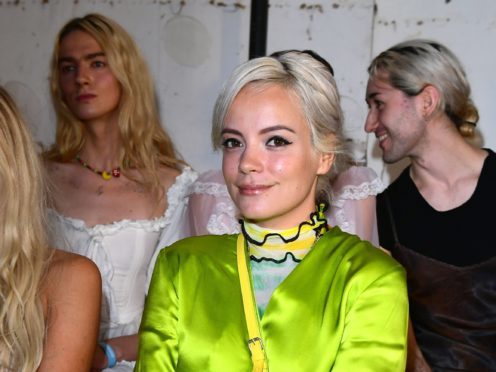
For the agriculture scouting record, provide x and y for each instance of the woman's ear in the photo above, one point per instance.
(325, 163)
(429, 101)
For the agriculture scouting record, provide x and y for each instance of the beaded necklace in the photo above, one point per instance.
(115, 172)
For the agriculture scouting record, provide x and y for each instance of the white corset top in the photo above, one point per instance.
(124, 252)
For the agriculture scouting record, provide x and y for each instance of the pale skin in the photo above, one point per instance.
(444, 166)
(71, 298)
(92, 93)
(269, 163)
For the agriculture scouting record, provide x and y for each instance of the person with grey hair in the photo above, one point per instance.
(290, 292)
(432, 217)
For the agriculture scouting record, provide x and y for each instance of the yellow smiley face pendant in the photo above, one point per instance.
(106, 175)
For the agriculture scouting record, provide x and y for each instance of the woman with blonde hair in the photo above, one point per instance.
(290, 292)
(120, 190)
(352, 195)
(50, 299)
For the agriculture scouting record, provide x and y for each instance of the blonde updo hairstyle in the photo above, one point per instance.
(312, 82)
(411, 65)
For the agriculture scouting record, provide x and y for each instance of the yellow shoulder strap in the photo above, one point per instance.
(255, 343)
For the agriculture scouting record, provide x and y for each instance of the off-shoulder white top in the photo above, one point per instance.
(125, 251)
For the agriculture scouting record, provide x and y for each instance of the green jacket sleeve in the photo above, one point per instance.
(376, 326)
(158, 343)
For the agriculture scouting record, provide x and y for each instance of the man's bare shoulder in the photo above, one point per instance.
(52, 165)
(58, 171)
(167, 176)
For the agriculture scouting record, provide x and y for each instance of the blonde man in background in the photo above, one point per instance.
(119, 188)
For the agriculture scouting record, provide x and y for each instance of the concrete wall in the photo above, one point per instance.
(192, 46)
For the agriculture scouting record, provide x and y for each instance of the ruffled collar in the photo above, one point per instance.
(301, 237)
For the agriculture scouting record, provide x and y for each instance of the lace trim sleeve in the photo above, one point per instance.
(212, 210)
(363, 190)
(357, 183)
(350, 209)
(179, 191)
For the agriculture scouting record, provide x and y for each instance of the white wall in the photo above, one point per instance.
(340, 32)
(192, 48)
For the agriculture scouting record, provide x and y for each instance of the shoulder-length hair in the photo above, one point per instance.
(24, 252)
(146, 145)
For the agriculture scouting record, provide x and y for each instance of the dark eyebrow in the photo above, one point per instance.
(263, 131)
(86, 57)
(372, 95)
(232, 131)
(277, 127)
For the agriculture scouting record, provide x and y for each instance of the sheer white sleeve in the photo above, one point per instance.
(211, 209)
(176, 224)
(353, 202)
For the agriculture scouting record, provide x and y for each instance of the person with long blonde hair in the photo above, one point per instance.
(49, 299)
(119, 187)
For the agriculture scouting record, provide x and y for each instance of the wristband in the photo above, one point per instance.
(109, 353)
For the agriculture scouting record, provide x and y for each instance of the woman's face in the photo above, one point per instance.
(269, 163)
(87, 84)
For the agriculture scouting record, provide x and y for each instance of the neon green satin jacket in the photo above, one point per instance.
(343, 308)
